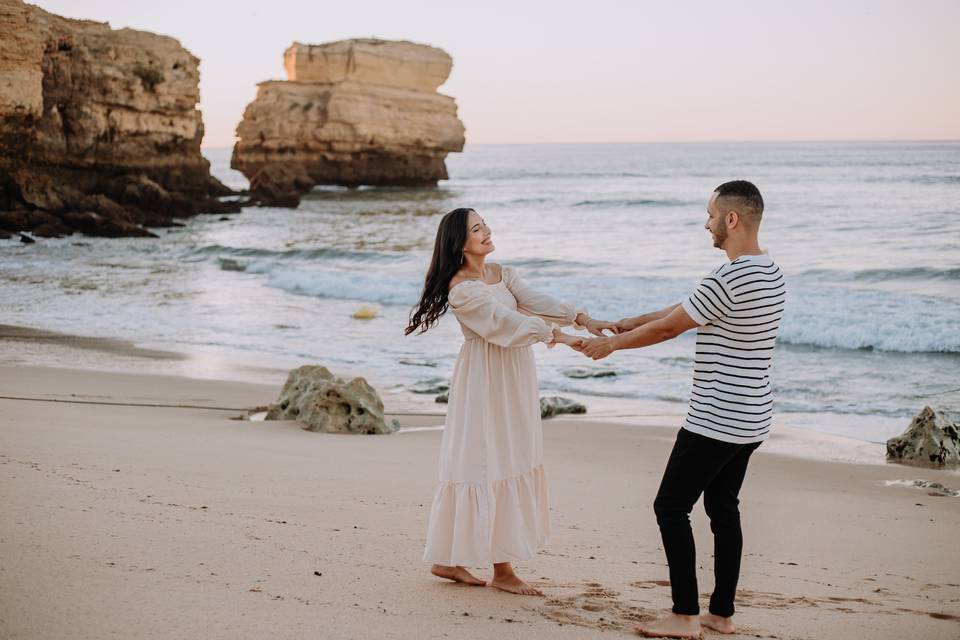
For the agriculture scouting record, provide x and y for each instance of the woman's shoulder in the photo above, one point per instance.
(457, 280)
(464, 291)
(508, 274)
(497, 274)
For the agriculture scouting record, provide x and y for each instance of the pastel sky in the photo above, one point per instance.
(606, 70)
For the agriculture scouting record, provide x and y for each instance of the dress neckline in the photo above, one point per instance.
(486, 284)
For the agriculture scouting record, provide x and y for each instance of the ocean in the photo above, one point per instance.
(868, 235)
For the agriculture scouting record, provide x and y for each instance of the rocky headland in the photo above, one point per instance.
(351, 113)
(99, 128)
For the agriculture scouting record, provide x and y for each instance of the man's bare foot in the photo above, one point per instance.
(718, 623)
(457, 574)
(673, 626)
(512, 584)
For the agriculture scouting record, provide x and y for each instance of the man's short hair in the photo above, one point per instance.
(742, 196)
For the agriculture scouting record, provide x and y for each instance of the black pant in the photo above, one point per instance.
(699, 464)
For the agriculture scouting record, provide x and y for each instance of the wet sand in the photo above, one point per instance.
(137, 506)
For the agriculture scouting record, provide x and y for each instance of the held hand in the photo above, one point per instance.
(621, 326)
(560, 337)
(597, 348)
(597, 327)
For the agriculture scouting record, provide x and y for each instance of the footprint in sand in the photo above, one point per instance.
(594, 606)
(650, 584)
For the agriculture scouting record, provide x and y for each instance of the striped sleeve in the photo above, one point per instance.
(709, 301)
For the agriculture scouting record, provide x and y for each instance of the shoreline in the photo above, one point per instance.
(33, 347)
(132, 520)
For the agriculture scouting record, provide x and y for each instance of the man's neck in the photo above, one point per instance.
(750, 247)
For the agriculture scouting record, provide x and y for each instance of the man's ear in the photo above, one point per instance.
(733, 219)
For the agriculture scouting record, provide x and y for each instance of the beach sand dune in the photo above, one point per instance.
(175, 520)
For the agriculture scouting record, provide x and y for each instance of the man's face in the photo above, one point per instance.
(716, 223)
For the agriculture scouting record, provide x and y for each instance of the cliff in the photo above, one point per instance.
(355, 112)
(99, 128)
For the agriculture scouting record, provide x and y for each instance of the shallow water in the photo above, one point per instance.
(867, 233)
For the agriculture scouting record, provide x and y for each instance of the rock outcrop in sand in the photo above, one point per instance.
(99, 128)
(351, 113)
(322, 402)
(931, 440)
(555, 405)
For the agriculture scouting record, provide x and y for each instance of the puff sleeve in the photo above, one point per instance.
(535, 303)
(479, 311)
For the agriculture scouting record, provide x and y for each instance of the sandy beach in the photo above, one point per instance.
(382, 193)
(138, 506)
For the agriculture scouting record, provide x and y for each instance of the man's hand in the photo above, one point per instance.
(597, 348)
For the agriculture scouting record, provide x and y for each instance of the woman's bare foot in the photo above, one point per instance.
(673, 626)
(506, 580)
(513, 584)
(718, 623)
(457, 574)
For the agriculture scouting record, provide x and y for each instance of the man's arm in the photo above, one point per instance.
(666, 328)
(629, 324)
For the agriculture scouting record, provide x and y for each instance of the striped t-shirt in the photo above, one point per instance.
(738, 308)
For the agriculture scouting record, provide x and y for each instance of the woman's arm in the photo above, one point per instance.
(539, 304)
(480, 312)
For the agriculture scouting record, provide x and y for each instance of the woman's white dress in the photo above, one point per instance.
(491, 504)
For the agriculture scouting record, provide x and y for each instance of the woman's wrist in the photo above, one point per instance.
(556, 336)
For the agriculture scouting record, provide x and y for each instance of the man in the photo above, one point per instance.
(738, 308)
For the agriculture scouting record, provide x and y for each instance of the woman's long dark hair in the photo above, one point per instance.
(447, 260)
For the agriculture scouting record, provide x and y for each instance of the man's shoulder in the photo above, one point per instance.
(745, 264)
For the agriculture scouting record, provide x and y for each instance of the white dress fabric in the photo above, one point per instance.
(491, 504)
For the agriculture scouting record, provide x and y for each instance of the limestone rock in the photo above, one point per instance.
(431, 386)
(555, 405)
(352, 113)
(395, 64)
(931, 440)
(229, 264)
(314, 396)
(102, 121)
(585, 372)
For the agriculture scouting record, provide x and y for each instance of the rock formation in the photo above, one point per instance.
(549, 405)
(322, 402)
(931, 440)
(351, 113)
(581, 373)
(99, 128)
(555, 405)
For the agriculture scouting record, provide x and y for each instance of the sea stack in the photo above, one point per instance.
(351, 113)
(99, 128)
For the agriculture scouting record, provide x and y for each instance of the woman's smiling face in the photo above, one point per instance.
(479, 240)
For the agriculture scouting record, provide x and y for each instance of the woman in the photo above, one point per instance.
(491, 504)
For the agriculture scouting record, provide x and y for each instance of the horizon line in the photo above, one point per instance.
(624, 142)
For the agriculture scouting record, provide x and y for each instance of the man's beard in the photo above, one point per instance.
(720, 235)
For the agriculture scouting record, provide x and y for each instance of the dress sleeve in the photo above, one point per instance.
(535, 303)
(480, 312)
